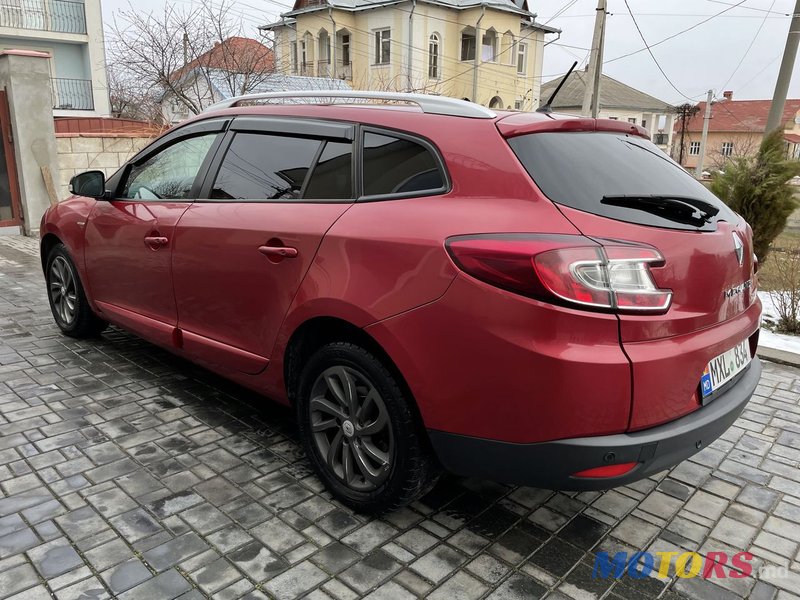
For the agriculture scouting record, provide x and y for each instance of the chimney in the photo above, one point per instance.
(728, 94)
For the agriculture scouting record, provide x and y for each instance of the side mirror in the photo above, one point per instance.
(90, 183)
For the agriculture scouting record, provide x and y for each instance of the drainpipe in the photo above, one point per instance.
(410, 44)
(478, 48)
(333, 43)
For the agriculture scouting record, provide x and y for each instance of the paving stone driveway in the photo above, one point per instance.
(126, 472)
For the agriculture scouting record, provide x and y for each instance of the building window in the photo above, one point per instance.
(614, 118)
(507, 48)
(345, 49)
(644, 123)
(517, 104)
(522, 58)
(467, 46)
(294, 57)
(433, 57)
(304, 63)
(382, 46)
(632, 120)
(489, 46)
(324, 47)
(694, 149)
(727, 148)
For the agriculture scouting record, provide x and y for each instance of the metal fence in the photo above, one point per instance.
(72, 94)
(62, 16)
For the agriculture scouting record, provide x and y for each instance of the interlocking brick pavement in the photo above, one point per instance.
(127, 472)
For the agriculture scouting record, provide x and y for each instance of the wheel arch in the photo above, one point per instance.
(49, 241)
(314, 333)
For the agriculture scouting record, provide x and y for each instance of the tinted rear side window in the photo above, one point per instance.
(580, 169)
(332, 178)
(394, 165)
(258, 166)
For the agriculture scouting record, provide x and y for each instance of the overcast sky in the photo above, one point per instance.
(707, 57)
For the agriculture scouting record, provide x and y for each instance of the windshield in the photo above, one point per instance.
(580, 169)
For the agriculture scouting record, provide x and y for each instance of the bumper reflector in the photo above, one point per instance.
(607, 471)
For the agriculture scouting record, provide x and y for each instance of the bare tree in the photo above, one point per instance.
(179, 51)
(745, 145)
(131, 100)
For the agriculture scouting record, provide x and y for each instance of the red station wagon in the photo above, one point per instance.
(530, 298)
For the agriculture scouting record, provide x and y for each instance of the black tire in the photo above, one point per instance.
(60, 275)
(412, 470)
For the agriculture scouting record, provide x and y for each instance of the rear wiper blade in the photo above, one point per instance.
(687, 209)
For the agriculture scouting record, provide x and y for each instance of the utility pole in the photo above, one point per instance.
(785, 74)
(591, 95)
(706, 119)
(687, 111)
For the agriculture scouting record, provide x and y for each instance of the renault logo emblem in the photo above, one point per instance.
(738, 247)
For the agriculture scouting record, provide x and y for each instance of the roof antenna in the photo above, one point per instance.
(546, 108)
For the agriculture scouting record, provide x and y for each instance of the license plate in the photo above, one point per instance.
(725, 367)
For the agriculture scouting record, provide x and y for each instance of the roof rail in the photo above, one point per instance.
(437, 105)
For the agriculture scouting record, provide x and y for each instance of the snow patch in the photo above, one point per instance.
(770, 339)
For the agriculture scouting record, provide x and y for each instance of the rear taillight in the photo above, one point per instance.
(566, 269)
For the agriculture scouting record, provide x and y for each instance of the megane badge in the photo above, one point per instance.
(738, 247)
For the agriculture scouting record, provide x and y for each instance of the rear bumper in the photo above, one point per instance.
(551, 464)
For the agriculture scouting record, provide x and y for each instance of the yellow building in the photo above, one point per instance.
(486, 52)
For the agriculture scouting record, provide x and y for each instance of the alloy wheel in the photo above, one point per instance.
(63, 290)
(351, 428)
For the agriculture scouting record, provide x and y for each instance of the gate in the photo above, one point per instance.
(10, 208)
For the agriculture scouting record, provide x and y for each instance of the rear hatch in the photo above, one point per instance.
(614, 185)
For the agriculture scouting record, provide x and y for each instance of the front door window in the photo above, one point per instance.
(170, 174)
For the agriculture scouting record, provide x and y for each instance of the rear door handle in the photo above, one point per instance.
(155, 242)
(278, 252)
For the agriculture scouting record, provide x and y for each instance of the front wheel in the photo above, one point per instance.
(360, 432)
(68, 302)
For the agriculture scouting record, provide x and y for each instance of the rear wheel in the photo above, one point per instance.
(360, 431)
(71, 310)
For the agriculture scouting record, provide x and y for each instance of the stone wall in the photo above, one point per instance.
(84, 152)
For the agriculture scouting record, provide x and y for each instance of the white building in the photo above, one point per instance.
(619, 102)
(71, 32)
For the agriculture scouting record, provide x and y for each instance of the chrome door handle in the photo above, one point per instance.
(154, 242)
(278, 252)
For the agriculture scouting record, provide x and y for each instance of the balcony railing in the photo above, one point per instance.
(661, 139)
(72, 94)
(62, 16)
(307, 69)
(324, 68)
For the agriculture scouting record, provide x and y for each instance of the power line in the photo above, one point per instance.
(750, 47)
(769, 11)
(761, 71)
(653, 56)
(562, 10)
(674, 35)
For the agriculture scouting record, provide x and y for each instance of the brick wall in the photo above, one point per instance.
(84, 152)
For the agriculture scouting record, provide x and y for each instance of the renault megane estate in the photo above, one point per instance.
(531, 298)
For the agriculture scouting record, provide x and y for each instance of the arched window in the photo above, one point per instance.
(507, 49)
(434, 57)
(496, 102)
(468, 43)
(306, 54)
(489, 46)
(324, 54)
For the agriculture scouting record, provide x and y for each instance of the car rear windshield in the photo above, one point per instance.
(618, 176)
